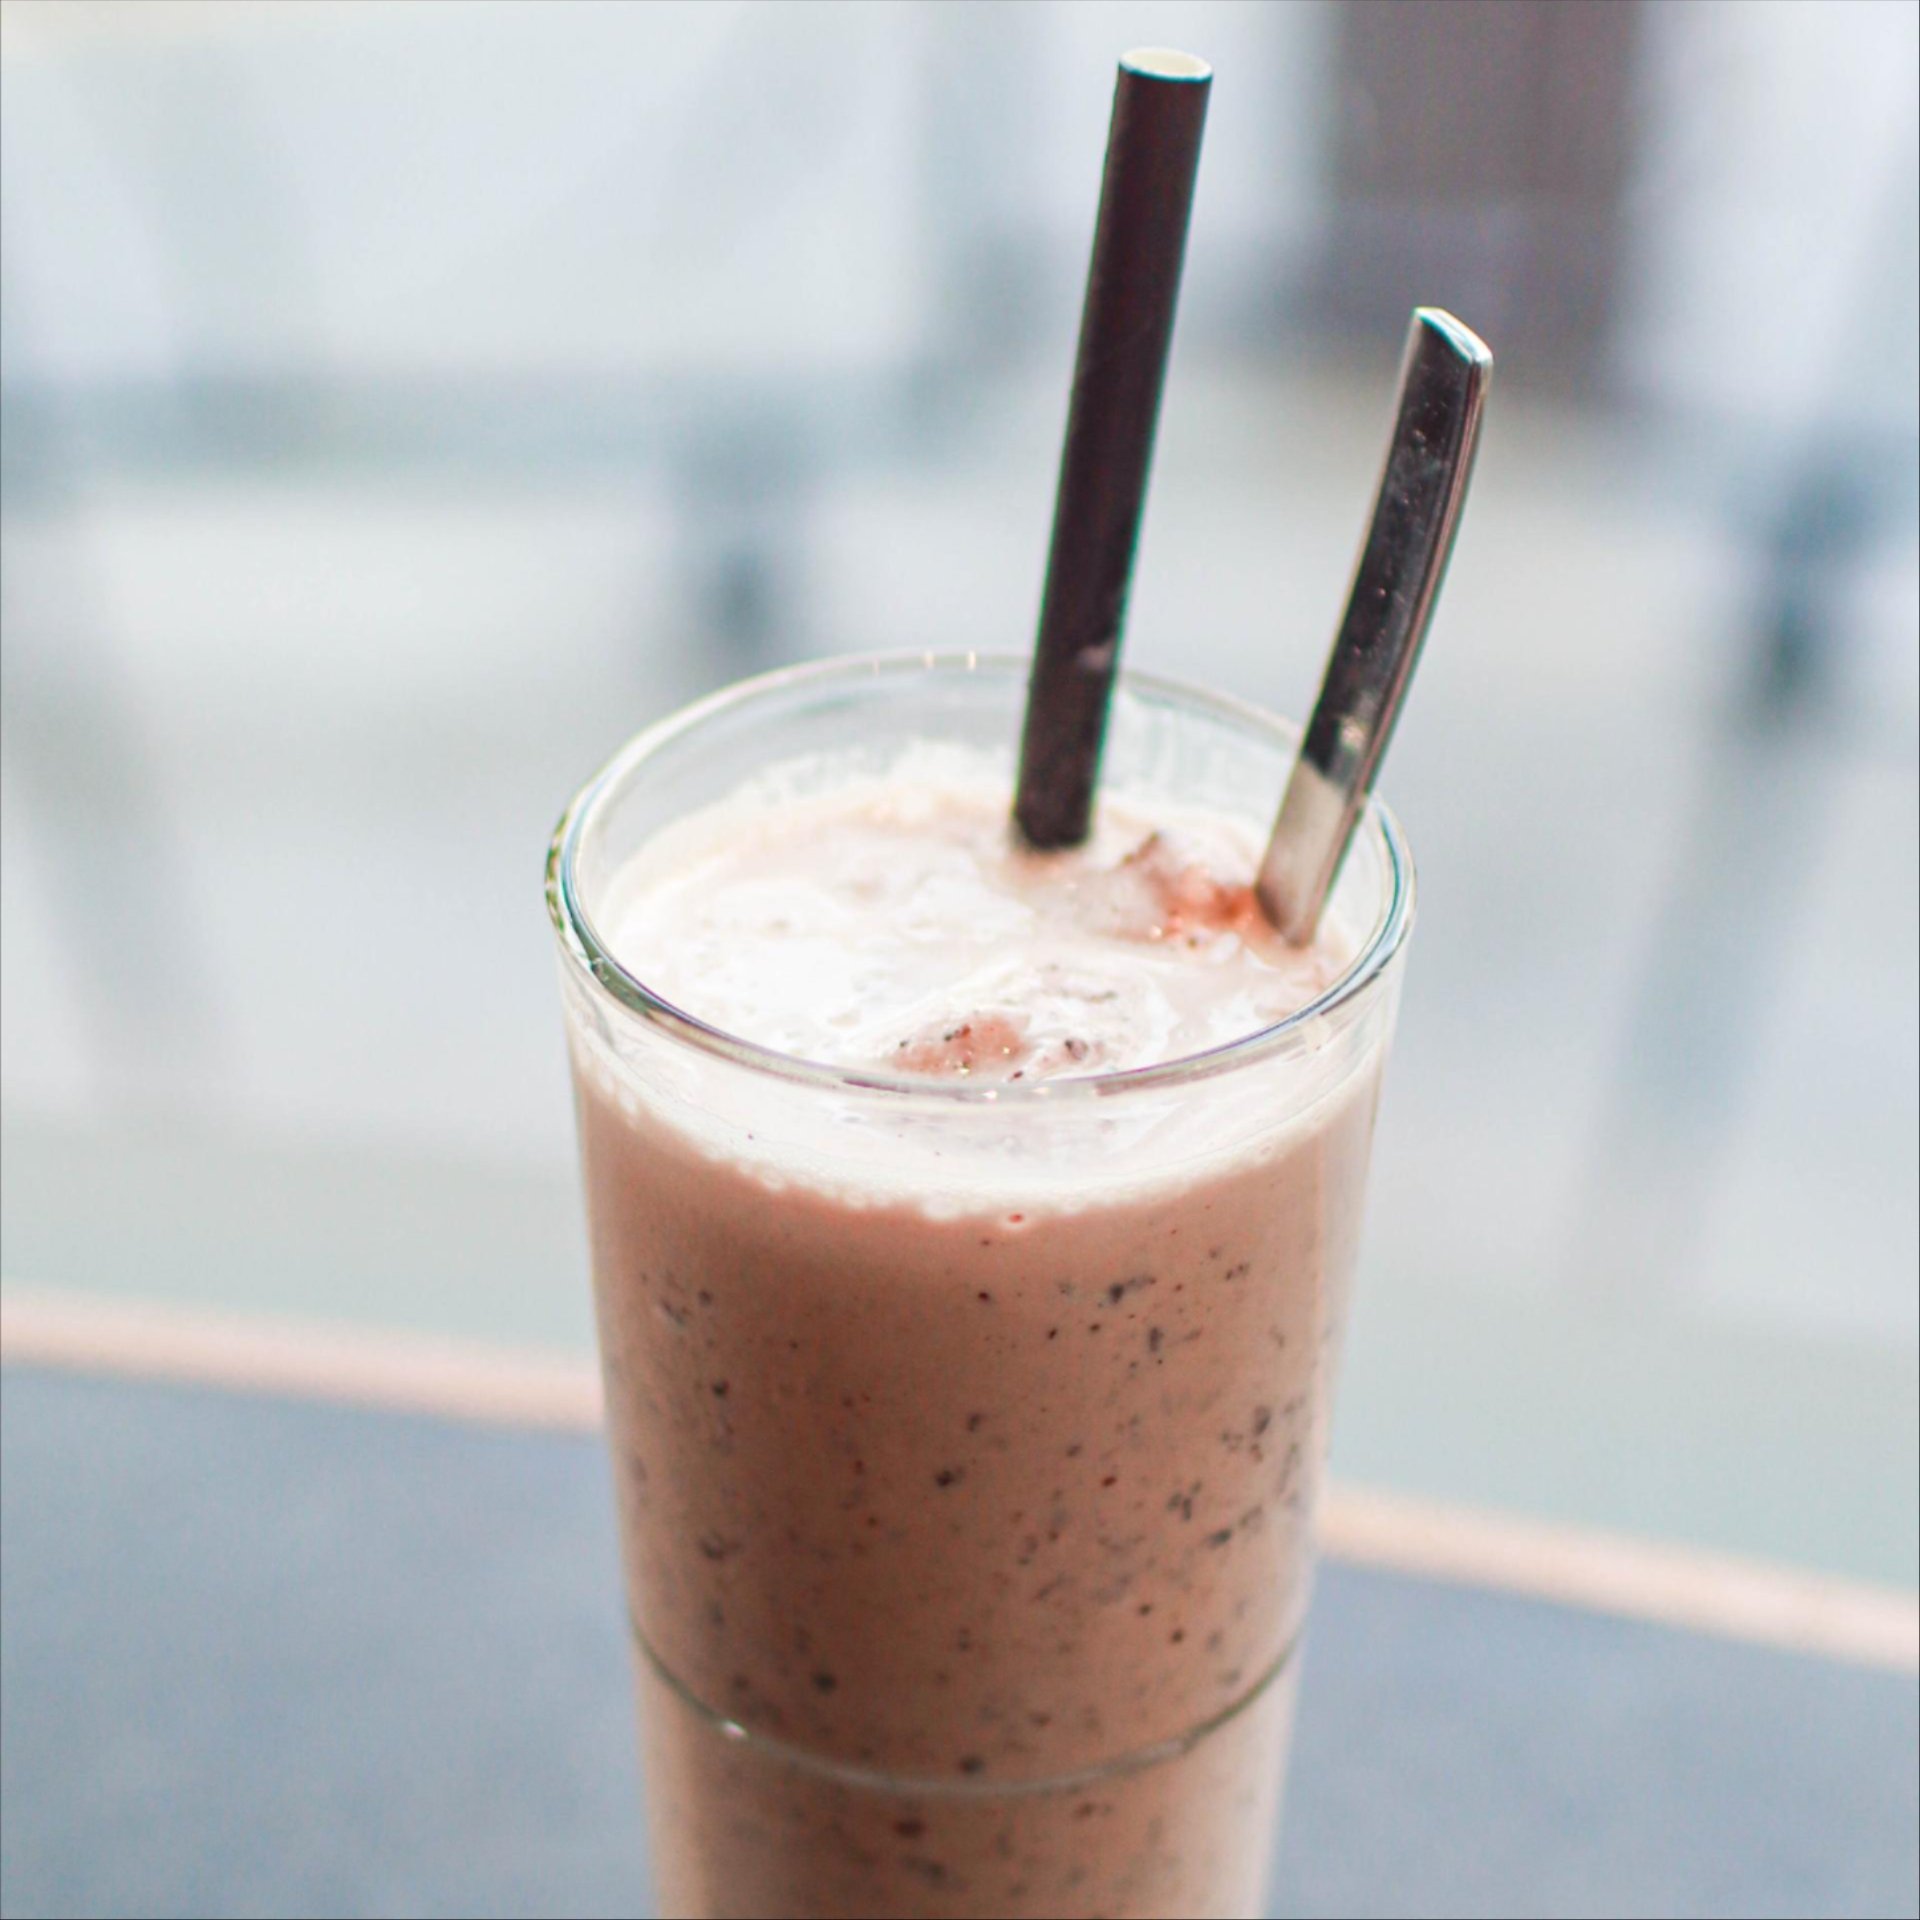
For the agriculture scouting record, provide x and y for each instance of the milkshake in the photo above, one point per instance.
(971, 1237)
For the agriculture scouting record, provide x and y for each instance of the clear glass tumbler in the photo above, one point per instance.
(966, 1437)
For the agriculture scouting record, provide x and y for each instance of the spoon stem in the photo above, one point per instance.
(1443, 388)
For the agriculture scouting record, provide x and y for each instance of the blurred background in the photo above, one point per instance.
(403, 404)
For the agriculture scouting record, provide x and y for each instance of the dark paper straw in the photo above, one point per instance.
(1126, 326)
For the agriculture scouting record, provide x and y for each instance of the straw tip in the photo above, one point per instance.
(1165, 63)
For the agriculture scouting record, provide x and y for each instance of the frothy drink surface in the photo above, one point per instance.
(988, 1521)
(898, 924)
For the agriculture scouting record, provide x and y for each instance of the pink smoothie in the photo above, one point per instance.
(966, 1448)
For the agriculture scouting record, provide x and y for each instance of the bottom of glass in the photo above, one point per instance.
(745, 1825)
(877, 1779)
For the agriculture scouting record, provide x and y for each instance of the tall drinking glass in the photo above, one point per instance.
(966, 1436)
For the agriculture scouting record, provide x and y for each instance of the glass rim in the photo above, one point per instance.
(582, 944)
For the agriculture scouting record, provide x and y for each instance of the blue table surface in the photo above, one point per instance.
(267, 1657)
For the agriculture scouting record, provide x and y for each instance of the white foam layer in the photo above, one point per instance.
(894, 923)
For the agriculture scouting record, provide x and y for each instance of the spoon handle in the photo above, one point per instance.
(1443, 388)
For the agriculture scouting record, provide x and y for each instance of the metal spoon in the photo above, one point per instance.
(1443, 389)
